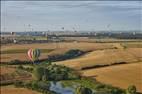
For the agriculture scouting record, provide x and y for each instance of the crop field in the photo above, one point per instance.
(17, 51)
(100, 54)
(73, 45)
(132, 44)
(104, 57)
(101, 40)
(6, 70)
(119, 75)
(13, 90)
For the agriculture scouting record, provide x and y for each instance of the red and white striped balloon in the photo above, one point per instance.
(33, 54)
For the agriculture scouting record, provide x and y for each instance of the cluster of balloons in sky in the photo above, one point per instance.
(33, 54)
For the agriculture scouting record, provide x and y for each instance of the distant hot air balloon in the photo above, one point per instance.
(63, 28)
(33, 54)
(12, 33)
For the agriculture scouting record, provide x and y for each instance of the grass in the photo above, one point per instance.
(14, 51)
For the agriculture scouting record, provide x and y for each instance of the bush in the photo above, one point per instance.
(68, 55)
(28, 69)
(54, 72)
(20, 67)
(19, 84)
(44, 86)
(34, 85)
(18, 62)
(83, 90)
(6, 83)
(14, 62)
(28, 85)
(38, 73)
(131, 90)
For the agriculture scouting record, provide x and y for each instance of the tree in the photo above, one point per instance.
(131, 90)
(45, 76)
(20, 67)
(83, 90)
(38, 73)
(35, 85)
(18, 84)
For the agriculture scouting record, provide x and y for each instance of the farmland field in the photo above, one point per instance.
(16, 51)
(100, 54)
(5, 70)
(73, 45)
(83, 47)
(105, 57)
(13, 90)
(119, 75)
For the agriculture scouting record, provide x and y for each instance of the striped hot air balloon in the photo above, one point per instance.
(33, 54)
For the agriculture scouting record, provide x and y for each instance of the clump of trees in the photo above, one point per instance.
(54, 72)
(39, 72)
(131, 90)
(28, 69)
(68, 55)
(83, 90)
(18, 62)
(99, 88)
(35, 85)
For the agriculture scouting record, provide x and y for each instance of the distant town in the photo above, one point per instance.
(61, 36)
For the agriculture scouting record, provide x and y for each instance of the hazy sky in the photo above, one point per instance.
(81, 15)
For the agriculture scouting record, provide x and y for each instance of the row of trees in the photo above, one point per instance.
(35, 85)
(68, 55)
(84, 90)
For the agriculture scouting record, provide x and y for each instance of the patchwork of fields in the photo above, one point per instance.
(10, 51)
(122, 75)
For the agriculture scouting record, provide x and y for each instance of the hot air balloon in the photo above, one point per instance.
(63, 28)
(33, 54)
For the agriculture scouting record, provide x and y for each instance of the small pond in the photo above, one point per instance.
(59, 88)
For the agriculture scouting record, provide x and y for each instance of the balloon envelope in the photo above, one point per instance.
(33, 54)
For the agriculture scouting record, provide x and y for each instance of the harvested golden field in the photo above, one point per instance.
(19, 56)
(5, 70)
(13, 90)
(133, 44)
(104, 40)
(73, 45)
(9, 74)
(137, 52)
(59, 48)
(120, 75)
(105, 57)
